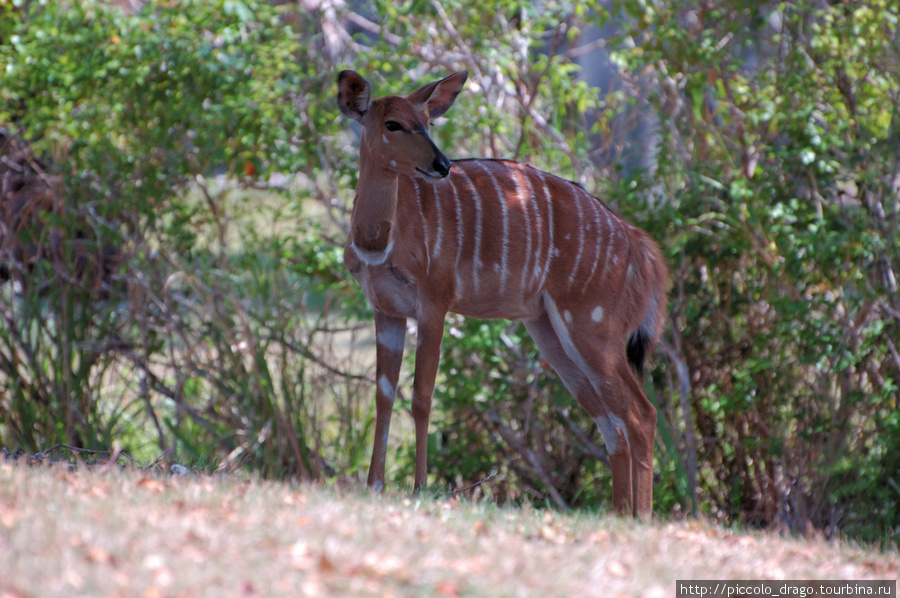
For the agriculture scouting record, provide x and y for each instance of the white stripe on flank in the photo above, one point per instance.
(504, 247)
(598, 238)
(460, 236)
(612, 231)
(424, 225)
(577, 196)
(550, 247)
(539, 227)
(476, 256)
(525, 201)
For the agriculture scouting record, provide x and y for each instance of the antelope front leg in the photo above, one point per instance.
(428, 355)
(389, 336)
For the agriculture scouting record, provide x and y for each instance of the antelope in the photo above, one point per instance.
(489, 238)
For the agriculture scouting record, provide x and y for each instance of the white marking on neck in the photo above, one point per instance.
(373, 258)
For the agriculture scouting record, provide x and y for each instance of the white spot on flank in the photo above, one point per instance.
(387, 388)
(597, 314)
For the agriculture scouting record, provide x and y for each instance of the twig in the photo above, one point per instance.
(490, 477)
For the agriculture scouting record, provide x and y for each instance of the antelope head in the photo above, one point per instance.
(395, 129)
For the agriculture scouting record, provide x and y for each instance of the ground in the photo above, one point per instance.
(113, 532)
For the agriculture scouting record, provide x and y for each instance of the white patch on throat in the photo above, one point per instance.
(373, 258)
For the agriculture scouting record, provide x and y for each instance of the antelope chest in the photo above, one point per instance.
(387, 287)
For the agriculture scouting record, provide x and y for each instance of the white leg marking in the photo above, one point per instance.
(373, 258)
(391, 340)
(597, 314)
(387, 388)
(609, 426)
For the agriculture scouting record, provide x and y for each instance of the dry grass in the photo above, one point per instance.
(114, 533)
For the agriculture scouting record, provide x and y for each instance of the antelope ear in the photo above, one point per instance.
(435, 98)
(353, 94)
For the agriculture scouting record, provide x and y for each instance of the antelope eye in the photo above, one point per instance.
(393, 125)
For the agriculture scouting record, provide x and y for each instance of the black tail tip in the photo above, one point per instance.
(636, 351)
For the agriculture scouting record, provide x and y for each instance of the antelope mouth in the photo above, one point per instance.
(431, 177)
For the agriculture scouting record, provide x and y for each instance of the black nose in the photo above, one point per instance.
(442, 164)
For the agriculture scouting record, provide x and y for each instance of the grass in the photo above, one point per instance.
(108, 532)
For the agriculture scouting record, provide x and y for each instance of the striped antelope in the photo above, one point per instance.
(496, 238)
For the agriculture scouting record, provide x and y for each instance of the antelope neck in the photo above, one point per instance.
(374, 207)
